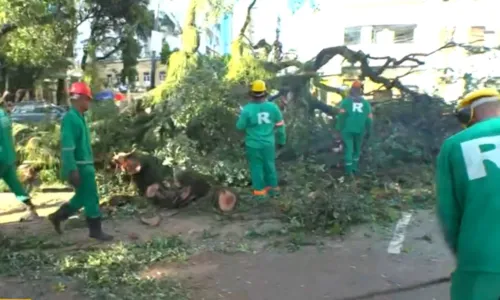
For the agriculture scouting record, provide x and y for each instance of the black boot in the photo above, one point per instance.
(31, 211)
(62, 214)
(95, 230)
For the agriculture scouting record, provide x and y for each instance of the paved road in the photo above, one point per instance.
(358, 265)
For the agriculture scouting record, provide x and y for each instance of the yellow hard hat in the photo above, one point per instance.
(476, 95)
(258, 86)
(464, 110)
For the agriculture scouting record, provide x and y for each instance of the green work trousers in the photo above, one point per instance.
(9, 175)
(352, 151)
(475, 286)
(262, 163)
(86, 194)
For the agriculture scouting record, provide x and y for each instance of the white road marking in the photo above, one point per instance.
(399, 234)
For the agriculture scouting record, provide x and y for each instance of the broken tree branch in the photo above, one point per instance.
(373, 73)
(6, 28)
(248, 18)
(115, 49)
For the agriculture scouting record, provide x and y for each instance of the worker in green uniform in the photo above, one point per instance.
(260, 119)
(468, 197)
(78, 165)
(354, 122)
(8, 169)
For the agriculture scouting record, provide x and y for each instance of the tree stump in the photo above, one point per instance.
(224, 200)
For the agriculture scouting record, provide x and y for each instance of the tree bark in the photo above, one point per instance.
(299, 84)
(237, 65)
(180, 62)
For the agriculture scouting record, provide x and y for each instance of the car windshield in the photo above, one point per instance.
(34, 109)
(23, 109)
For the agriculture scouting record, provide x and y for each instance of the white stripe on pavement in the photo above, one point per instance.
(399, 234)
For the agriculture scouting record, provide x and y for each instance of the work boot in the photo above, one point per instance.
(274, 192)
(62, 214)
(31, 212)
(355, 167)
(95, 230)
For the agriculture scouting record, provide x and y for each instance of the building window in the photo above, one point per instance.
(352, 35)
(477, 35)
(162, 76)
(393, 34)
(146, 77)
(404, 34)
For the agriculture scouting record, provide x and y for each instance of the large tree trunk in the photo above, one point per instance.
(180, 62)
(237, 66)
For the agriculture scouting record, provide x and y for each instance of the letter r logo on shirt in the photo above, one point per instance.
(357, 107)
(263, 118)
(474, 157)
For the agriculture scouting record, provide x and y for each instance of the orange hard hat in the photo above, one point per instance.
(357, 84)
(80, 88)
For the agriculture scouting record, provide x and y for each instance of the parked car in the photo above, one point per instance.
(36, 111)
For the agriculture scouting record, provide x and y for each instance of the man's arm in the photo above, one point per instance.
(68, 147)
(448, 208)
(280, 127)
(241, 124)
(369, 119)
(340, 120)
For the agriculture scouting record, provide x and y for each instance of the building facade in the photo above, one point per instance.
(109, 72)
(396, 28)
(215, 39)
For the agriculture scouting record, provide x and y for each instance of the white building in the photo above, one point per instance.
(173, 13)
(397, 28)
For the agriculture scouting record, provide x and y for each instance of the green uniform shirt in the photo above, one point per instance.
(75, 142)
(7, 149)
(354, 117)
(259, 120)
(468, 196)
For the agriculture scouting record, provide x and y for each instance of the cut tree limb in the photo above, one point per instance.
(308, 70)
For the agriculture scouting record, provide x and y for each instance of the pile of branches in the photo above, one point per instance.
(194, 129)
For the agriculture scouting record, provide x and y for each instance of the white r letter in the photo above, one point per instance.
(263, 118)
(474, 157)
(357, 107)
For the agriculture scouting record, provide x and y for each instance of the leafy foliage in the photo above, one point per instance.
(116, 272)
(165, 53)
(38, 145)
(36, 44)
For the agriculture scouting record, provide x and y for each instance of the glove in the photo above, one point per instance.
(280, 146)
(74, 178)
(368, 135)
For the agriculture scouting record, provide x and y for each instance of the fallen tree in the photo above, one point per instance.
(191, 128)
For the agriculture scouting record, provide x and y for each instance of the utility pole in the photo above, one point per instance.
(153, 53)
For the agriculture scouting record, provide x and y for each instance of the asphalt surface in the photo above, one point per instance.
(358, 265)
